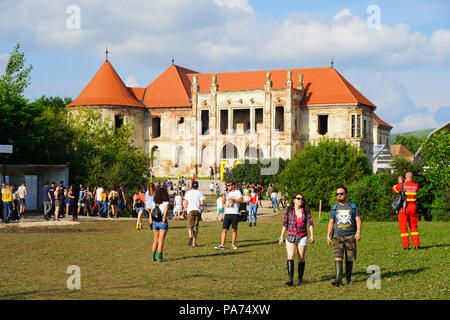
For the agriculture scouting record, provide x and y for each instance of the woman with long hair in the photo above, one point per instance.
(113, 200)
(160, 225)
(295, 222)
(139, 206)
(149, 194)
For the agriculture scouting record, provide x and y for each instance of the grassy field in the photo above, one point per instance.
(114, 260)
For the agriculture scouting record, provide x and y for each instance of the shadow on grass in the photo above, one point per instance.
(219, 253)
(258, 244)
(384, 275)
(23, 295)
(435, 246)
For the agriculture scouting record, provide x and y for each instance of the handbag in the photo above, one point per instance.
(400, 200)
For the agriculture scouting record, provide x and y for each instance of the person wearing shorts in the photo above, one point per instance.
(296, 221)
(178, 201)
(22, 190)
(344, 231)
(219, 209)
(160, 227)
(232, 200)
(139, 206)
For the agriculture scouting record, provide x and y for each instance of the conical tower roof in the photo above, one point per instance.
(106, 88)
(171, 89)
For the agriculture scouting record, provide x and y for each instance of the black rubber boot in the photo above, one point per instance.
(338, 280)
(290, 268)
(301, 270)
(348, 271)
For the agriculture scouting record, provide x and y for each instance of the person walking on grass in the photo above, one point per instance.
(159, 223)
(148, 196)
(178, 205)
(344, 231)
(252, 206)
(232, 200)
(296, 221)
(139, 206)
(193, 200)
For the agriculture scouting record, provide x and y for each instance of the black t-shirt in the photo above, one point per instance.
(61, 193)
(52, 192)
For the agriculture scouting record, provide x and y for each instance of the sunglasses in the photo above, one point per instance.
(339, 193)
(299, 198)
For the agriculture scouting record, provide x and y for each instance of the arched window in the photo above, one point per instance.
(229, 151)
(155, 157)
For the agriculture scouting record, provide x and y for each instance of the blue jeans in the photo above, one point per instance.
(252, 210)
(8, 210)
(104, 208)
(274, 203)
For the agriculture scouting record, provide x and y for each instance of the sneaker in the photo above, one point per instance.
(219, 247)
(233, 247)
(190, 241)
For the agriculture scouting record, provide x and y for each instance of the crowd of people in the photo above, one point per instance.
(155, 203)
(12, 202)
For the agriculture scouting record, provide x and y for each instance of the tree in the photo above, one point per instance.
(16, 77)
(436, 153)
(259, 172)
(319, 169)
(410, 142)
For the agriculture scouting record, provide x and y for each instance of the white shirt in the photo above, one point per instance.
(162, 206)
(232, 207)
(194, 197)
(219, 203)
(148, 200)
(21, 191)
(98, 194)
(178, 201)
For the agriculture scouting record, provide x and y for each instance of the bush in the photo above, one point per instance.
(440, 208)
(319, 169)
(255, 172)
(373, 196)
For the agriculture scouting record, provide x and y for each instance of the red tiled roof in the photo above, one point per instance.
(106, 88)
(137, 92)
(171, 89)
(322, 85)
(377, 120)
(400, 150)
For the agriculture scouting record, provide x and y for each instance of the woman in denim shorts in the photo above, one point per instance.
(295, 222)
(160, 227)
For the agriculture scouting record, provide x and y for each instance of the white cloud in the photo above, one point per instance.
(235, 4)
(131, 81)
(221, 35)
(416, 121)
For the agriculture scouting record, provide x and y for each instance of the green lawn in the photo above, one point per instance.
(114, 260)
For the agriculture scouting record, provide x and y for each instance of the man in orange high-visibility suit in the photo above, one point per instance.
(408, 215)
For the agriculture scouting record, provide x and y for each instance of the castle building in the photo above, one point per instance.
(188, 121)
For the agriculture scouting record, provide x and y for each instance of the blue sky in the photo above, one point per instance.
(402, 65)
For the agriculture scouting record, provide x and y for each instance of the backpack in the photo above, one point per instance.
(156, 214)
(400, 200)
(333, 210)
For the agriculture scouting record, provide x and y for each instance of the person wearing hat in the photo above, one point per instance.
(193, 199)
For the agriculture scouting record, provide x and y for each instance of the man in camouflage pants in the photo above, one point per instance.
(345, 230)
